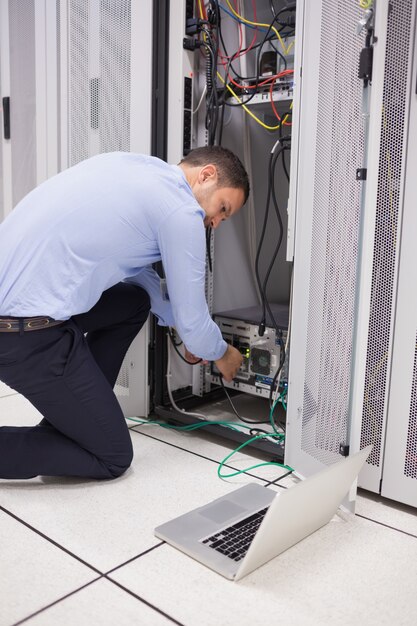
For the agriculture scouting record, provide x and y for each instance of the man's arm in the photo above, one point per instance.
(151, 282)
(181, 240)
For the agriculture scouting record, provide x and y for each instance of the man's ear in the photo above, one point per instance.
(208, 173)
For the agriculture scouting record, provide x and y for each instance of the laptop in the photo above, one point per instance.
(241, 531)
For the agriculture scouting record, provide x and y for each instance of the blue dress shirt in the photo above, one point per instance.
(102, 221)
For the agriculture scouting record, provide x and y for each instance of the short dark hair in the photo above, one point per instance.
(230, 170)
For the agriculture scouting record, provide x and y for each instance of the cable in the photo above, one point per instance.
(263, 232)
(243, 419)
(179, 353)
(237, 472)
(208, 248)
(269, 26)
(168, 381)
(201, 100)
(197, 426)
(245, 108)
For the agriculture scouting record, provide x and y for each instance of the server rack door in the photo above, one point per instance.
(392, 84)
(21, 59)
(6, 148)
(399, 476)
(328, 206)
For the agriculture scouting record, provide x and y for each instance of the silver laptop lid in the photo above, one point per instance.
(301, 510)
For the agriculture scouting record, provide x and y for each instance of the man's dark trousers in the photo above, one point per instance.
(69, 377)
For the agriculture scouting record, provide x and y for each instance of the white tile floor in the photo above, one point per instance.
(83, 552)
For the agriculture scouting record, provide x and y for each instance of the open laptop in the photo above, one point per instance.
(241, 531)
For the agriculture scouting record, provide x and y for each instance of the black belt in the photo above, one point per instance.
(19, 324)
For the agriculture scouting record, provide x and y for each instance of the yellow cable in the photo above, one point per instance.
(201, 9)
(248, 111)
(286, 50)
(365, 4)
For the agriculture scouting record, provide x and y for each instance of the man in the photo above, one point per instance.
(76, 286)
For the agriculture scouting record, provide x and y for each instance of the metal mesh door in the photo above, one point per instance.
(398, 463)
(1, 154)
(99, 77)
(385, 245)
(22, 97)
(335, 227)
(410, 461)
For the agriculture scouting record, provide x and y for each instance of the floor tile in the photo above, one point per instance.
(34, 572)
(386, 511)
(15, 410)
(5, 390)
(102, 603)
(346, 573)
(108, 522)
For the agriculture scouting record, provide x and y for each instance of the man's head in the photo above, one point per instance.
(218, 180)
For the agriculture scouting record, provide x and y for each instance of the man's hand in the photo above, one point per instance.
(229, 363)
(191, 358)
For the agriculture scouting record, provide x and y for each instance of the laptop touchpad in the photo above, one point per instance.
(222, 511)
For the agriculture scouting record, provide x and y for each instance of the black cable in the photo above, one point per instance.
(261, 239)
(258, 431)
(242, 419)
(212, 97)
(271, 193)
(284, 165)
(179, 353)
(271, 175)
(208, 246)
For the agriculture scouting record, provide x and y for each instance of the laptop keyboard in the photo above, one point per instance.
(235, 540)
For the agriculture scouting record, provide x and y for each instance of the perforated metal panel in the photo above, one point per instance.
(1, 158)
(79, 86)
(122, 382)
(22, 97)
(410, 465)
(385, 243)
(336, 208)
(99, 57)
(114, 85)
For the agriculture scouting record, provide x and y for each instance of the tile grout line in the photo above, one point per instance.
(132, 593)
(57, 545)
(157, 545)
(398, 530)
(68, 595)
(273, 482)
(201, 456)
(101, 574)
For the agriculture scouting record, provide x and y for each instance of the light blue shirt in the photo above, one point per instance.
(103, 221)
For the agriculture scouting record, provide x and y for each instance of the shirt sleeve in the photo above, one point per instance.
(151, 282)
(181, 240)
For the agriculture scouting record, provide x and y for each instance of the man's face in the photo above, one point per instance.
(219, 203)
